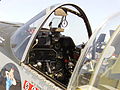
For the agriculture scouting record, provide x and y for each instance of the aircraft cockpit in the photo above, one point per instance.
(54, 53)
(50, 42)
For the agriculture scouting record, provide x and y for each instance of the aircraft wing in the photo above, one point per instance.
(11, 23)
(7, 25)
(7, 28)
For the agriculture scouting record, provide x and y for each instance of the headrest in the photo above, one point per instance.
(60, 12)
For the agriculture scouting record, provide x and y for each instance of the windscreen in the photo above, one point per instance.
(108, 73)
(87, 63)
(21, 37)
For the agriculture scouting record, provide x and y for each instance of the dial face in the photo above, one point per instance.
(64, 23)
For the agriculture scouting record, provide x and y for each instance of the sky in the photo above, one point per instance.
(23, 10)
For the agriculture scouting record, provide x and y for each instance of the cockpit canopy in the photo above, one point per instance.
(53, 19)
